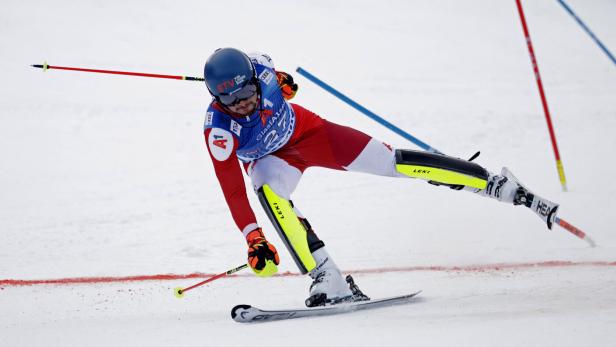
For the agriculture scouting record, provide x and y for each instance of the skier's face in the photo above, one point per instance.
(245, 107)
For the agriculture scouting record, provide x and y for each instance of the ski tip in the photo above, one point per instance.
(234, 310)
(414, 294)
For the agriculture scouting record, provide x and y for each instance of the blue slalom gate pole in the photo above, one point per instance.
(367, 112)
(588, 31)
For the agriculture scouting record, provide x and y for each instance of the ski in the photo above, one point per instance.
(250, 314)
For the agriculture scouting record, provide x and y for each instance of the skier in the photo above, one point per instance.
(250, 119)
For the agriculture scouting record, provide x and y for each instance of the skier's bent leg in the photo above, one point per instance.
(274, 181)
(307, 250)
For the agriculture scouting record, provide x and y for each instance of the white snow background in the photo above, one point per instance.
(104, 175)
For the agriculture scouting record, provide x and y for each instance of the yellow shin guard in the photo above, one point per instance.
(289, 227)
(441, 169)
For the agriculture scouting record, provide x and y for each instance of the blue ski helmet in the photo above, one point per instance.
(227, 72)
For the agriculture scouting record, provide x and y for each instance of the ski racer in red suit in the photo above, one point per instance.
(251, 121)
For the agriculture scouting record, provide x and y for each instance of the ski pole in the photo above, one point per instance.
(46, 67)
(179, 291)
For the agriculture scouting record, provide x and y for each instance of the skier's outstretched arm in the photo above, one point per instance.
(221, 145)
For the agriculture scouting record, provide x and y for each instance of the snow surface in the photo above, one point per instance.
(108, 175)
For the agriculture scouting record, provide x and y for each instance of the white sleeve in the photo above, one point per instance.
(261, 58)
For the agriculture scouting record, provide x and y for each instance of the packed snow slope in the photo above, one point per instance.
(108, 176)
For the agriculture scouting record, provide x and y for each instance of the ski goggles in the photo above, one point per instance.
(247, 91)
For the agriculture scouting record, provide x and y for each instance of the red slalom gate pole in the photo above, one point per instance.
(179, 292)
(559, 164)
(46, 67)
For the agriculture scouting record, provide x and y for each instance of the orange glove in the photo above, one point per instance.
(262, 255)
(287, 86)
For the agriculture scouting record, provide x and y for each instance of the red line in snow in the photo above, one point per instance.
(170, 277)
(491, 267)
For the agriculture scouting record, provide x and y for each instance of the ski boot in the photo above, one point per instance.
(328, 286)
(507, 188)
